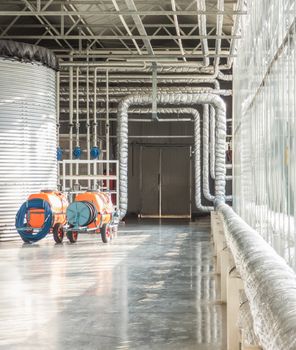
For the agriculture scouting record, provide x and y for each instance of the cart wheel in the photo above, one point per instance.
(72, 236)
(106, 233)
(58, 233)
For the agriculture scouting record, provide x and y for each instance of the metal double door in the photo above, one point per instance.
(165, 182)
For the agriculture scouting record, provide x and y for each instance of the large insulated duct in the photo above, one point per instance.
(269, 283)
(197, 166)
(212, 142)
(27, 127)
(197, 146)
(175, 100)
(205, 154)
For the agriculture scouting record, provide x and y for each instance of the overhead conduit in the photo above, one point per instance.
(173, 99)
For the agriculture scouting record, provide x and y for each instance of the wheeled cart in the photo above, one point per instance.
(92, 212)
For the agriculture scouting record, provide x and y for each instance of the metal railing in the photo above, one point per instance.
(95, 179)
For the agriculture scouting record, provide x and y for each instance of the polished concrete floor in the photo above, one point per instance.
(151, 288)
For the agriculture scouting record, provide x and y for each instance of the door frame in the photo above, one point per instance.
(159, 215)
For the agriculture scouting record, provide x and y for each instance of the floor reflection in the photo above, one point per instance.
(152, 288)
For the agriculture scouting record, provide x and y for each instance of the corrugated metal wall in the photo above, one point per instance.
(265, 124)
(27, 136)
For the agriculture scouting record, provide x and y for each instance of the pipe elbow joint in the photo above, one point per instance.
(218, 200)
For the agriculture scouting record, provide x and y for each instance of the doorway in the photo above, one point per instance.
(165, 181)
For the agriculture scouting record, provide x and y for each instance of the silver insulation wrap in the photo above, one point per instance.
(212, 142)
(27, 136)
(270, 284)
(171, 99)
(197, 165)
(245, 321)
(205, 154)
(24, 52)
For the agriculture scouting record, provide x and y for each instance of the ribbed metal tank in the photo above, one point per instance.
(27, 136)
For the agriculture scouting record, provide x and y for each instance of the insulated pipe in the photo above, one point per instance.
(171, 99)
(212, 148)
(205, 157)
(212, 142)
(185, 67)
(197, 165)
(104, 65)
(205, 154)
(225, 77)
(269, 283)
(169, 66)
(145, 79)
(143, 120)
(123, 92)
(197, 146)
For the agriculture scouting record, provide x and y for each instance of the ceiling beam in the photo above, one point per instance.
(192, 26)
(140, 26)
(123, 37)
(124, 13)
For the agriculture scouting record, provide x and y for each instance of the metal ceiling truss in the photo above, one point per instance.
(111, 29)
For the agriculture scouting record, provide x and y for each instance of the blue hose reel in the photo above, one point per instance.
(95, 152)
(81, 214)
(77, 152)
(27, 233)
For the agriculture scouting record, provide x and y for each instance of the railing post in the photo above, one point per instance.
(234, 285)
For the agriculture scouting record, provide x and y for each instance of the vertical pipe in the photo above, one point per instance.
(205, 154)
(71, 122)
(95, 130)
(159, 184)
(107, 128)
(58, 105)
(154, 92)
(77, 119)
(58, 115)
(117, 185)
(87, 124)
(212, 141)
(64, 177)
(77, 107)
